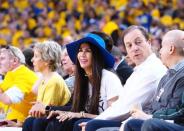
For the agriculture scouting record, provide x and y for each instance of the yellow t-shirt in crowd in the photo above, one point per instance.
(22, 78)
(110, 27)
(54, 91)
(21, 5)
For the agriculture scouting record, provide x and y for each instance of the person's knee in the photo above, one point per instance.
(109, 129)
(91, 125)
(54, 125)
(28, 123)
(50, 126)
(133, 125)
(130, 124)
(37, 122)
(76, 126)
(149, 125)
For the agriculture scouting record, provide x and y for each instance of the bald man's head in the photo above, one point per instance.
(172, 49)
(175, 38)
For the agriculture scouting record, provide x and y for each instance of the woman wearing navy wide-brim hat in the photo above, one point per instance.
(95, 87)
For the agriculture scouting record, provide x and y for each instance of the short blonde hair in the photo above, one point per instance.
(50, 52)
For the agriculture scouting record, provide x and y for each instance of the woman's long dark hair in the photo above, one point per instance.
(81, 88)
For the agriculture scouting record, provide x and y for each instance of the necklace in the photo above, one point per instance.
(88, 75)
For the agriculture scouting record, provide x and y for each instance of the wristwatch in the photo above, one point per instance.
(47, 109)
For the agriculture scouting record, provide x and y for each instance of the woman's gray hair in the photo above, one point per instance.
(50, 52)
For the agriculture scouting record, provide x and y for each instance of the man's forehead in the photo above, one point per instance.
(134, 39)
(4, 52)
(135, 34)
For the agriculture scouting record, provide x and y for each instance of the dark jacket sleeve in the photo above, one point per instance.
(176, 114)
(66, 107)
(124, 71)
(61, 108)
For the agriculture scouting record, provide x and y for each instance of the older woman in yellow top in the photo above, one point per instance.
(50, 88)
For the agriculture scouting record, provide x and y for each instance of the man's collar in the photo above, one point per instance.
(179, 65)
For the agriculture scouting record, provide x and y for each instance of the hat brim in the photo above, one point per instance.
(73, 47)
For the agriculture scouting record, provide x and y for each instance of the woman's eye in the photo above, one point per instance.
(84, 50)
(88, 50)
(80, 50)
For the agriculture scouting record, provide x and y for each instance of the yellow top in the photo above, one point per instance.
(54, 92)
(22, 78)
(21, 5)
(110, 27)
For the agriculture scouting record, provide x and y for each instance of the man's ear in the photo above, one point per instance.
(172, 49)
(149, 42)
(16, 60)
(150, 45)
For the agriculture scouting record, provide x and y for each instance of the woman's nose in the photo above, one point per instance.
(83, 53)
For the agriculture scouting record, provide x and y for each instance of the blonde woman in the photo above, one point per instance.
(50, 88)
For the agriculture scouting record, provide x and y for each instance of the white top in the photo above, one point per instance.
(15, 94)
(110, 87)
(139, 88)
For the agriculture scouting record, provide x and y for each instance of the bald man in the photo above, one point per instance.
(168, 103)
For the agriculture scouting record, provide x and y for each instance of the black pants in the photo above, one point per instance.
(35, 124)
(67, 125)
(151, 125)
(43, 124)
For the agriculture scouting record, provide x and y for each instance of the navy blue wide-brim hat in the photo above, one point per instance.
(96, 40)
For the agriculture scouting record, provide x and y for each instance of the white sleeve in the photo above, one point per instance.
(112, 83)
(15, 94)
(122, 106)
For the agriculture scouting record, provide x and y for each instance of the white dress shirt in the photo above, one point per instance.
(139, 88)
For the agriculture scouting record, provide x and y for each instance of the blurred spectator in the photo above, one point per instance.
(69, 69)
(15, 90)
(28, 53)
(3, 68)
(121, 67)
(67, 40)
(129, 61)
(25, 21)
(156, 45)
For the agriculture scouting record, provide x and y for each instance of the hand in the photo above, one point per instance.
(67, 116)
(83, 125)
(37, 110)
(53, 113)
(139, 114)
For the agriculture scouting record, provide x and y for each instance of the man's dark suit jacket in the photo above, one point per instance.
(124, 71)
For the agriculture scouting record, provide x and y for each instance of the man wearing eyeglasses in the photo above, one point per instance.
(15, 89)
